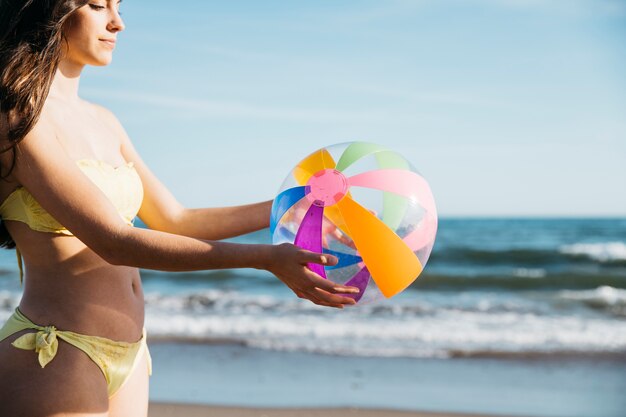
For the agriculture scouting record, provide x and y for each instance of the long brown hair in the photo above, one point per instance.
(31, 40)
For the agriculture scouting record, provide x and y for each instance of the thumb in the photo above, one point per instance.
(321, 258)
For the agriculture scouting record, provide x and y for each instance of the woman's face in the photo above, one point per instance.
(91, 32)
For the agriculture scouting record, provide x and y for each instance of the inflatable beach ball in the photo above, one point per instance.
(364, 204)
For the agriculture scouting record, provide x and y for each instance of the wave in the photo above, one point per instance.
(605, 299)
(537, 279)
(608, 253)
(358, 339)
(228, 303)
(609, 301)
(619, 355)
(490, 327)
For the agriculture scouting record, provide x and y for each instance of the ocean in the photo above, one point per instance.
(501, 289)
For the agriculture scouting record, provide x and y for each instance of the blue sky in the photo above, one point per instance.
(507, 107)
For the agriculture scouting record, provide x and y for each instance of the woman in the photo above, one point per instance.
(72, 184)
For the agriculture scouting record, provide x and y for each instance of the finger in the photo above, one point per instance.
(319, 258)
(344, 289)
(324, 303)
(309, 294)
(331, 286)
(332, 298)
(316, 300)
(320, 297)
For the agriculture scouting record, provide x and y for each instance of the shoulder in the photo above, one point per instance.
(40, 136)
(43, 130)
(103, 113)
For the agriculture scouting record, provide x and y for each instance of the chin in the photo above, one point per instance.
(101, 61)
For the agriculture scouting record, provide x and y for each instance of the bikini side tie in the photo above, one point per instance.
(43, 342)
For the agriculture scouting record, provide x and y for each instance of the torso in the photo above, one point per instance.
(67, 284)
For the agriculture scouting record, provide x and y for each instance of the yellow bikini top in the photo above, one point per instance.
(122, 185)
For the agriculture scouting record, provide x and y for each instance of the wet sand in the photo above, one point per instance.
(187, 410)
(257, 382)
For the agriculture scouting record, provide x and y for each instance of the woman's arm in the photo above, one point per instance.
(64, 191)
(224, 222)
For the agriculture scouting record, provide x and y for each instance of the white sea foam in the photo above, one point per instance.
(434, 332)
(8, 300)
(600, 297)
(530, 272)
(603, 252)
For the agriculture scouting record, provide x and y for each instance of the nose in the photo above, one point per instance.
(116, 24)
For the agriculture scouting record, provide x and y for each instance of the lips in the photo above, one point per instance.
(109, 42)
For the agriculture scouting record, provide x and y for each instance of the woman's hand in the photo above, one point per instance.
(289, 264)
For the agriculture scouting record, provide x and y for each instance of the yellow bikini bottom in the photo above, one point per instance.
(116, 360)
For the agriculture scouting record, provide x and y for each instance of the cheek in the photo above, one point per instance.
(81, 42)
(79, 31)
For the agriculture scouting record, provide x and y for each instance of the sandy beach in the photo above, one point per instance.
(176, 410)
